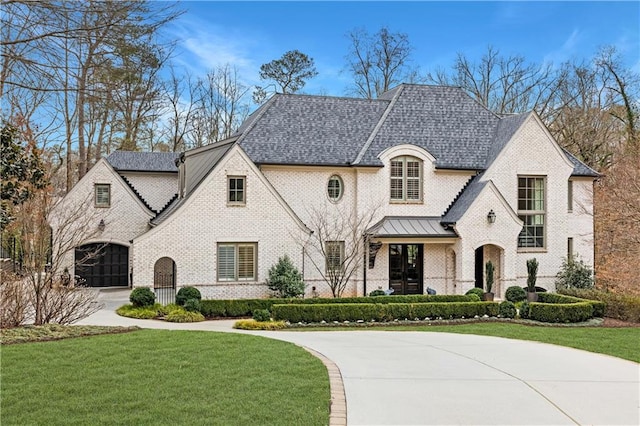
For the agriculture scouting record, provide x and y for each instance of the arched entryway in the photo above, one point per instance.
(164, 280)
(102, 265)
(484, 254)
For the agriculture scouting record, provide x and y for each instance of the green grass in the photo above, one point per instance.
(163, 377)
(619, 342)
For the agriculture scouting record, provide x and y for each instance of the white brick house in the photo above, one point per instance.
(443, 185)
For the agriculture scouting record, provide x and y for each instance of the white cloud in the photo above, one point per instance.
(570, 47)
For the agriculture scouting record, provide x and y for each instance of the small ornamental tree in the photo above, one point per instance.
(574, 274)
(532, 271)
(284, 279)
(489, 278)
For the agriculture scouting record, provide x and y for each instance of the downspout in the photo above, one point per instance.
(364, 266)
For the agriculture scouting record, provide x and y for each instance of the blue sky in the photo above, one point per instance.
(248, 34)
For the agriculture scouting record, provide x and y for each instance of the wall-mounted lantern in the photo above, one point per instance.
(101, 225)
(491, 217)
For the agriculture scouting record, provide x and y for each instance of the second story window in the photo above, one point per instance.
(532, 211)
(236, 190)
(406, 179)
(335, 188)
(102, 195)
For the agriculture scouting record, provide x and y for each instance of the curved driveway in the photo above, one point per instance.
(416, 378)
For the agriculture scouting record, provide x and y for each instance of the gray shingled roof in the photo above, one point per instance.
(505, 130)
(464, 201)
(445, 121)
(301, 129)
(143, 161)
(579, 168)
(408, 227)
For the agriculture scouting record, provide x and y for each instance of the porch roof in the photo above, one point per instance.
(411, 227)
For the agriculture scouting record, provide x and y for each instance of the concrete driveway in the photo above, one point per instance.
(419, 378)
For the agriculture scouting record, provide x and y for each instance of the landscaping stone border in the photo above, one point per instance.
(338, 408)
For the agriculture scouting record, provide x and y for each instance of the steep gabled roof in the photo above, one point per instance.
(199, 162)
(579, 168)
(302, 129)
(464, 201)
(143, 161)
(445, 121)
(506, 128)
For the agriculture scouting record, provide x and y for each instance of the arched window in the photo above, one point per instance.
(335, 188)
(406, 179)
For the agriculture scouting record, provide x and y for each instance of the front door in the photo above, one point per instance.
(405, 268)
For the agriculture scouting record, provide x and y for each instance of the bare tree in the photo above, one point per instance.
(72, 50)
(378, 62)
(504, 84)
(336, 247)
(288, 74)
(220, 106)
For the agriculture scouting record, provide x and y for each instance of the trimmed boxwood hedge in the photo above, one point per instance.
(246, 307)
(619, 306)
(561, 312)
(555, 299)
(315, 313)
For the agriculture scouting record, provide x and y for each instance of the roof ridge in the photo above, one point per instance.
(379, 124)
(261, 111)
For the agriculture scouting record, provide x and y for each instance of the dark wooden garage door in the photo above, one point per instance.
(103, 265)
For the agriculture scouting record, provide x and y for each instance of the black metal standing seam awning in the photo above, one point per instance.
(411, 227)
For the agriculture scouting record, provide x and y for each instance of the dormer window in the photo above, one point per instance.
(406, 179)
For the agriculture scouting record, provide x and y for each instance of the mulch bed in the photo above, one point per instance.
(615, 323)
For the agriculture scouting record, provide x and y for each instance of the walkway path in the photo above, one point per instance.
(402, 378)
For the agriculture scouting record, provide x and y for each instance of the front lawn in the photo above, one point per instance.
(619, 342)
(163, 377)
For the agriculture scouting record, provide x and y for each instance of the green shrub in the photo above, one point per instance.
(574, 274)
(138, 312)
(474, 298)
(256, 325)
(525, 309)
(618, 306)
(561, 312)
(489, 268)
(164, 310)
(238, 308)
(192, 305)
(515, 294)
(246, 307)
(314, 313)
(285, 280)
(213, 308)
(532, 274)
(182, 315)
(261, 315)
(507, 309)
(142, 296)
(186, 293)
(554, 298)
(377, 292)
(477, 291)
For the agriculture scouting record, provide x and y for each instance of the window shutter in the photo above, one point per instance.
(226, 262)
(246, 264)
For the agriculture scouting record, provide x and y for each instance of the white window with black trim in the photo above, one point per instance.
(532, 211)
(237, 261)
(236, 190)
(406, 179)
(335, 188)
(334, 256)
(102, 194)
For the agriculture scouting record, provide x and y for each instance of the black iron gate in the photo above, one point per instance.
(164, 281)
